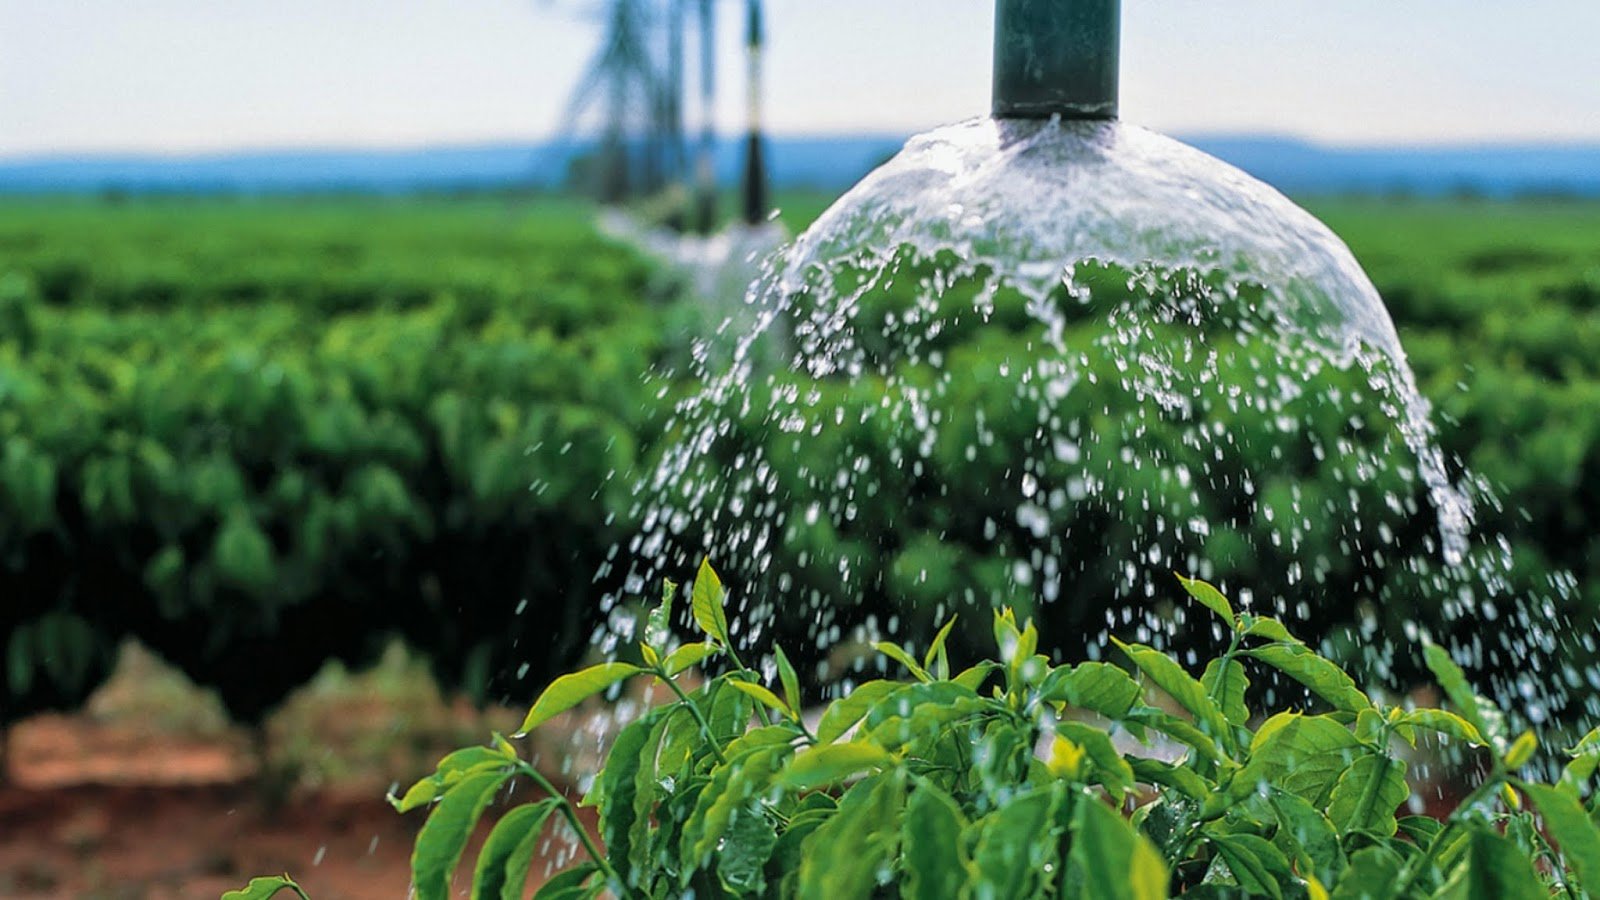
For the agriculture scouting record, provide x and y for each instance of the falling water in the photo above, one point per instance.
(1045, 364)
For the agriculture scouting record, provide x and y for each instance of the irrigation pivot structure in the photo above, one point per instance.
(628, 88)
(634, 97)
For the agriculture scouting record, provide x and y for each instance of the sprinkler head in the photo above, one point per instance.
(1056, 58)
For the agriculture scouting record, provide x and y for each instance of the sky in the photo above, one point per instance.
(186, 76)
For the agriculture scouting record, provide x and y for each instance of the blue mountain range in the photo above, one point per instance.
(828, 163)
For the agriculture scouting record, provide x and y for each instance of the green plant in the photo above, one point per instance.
(934, 786)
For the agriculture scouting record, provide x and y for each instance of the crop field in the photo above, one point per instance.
(257, 437)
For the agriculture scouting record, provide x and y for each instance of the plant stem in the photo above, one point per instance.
(1416, 867)
(739, 666)
(705, 726)
(571, 814)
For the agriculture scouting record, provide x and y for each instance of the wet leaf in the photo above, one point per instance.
(935, 858)
(1209, 597)
(832, 763)
(1110, 860)
(507, 854)
(570, 690)
(707, 602)
(1572, 829)
(844, 713)
(444, 836)
(790, 680)
(1321, 676)
(264, 888)
(761, 695)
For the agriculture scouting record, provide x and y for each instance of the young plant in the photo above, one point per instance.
(1016, 778)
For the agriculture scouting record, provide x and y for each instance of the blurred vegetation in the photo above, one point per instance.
(261, 435)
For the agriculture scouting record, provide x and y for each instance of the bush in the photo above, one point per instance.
(932, 786)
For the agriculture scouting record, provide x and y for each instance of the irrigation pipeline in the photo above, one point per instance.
(1056, 58)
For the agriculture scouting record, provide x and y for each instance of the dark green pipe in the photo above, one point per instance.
(1056, 57)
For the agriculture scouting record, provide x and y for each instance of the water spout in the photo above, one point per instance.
(1056, 58)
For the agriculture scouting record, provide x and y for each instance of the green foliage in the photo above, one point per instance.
(265, 888)
(226, 423)
(262, 436)
(931, 788)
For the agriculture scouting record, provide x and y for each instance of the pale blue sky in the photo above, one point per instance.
(189, 75)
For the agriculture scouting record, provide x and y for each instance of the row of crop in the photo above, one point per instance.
(1002, 477)
(256, 487)
(254, 491)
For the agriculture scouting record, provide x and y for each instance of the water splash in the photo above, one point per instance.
(1043, 364)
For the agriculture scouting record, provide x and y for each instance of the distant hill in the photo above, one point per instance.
(825, 163)
(1300, 167)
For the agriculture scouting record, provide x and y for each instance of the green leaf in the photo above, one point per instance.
(1095, 686)
(1301, 754)
(844, 713)
(747, 844)
(1307, 836)
(846, 855)
(1321, 676)
(1373, 874)
(734, 790)
(1110, 860)
(1454, 683)
(263, 888)
(1209, 597)
(936, 659)
(571, 884)
(934, 856)
(688, 656)
(1182, 779)
(1015, 844)
(1522, 750)
(899, 655)
(1569, 824)
(616, 784)
(832, 763)
(502, 870)
(1115, 773)
(1367, 794)
(1494, 869)
(1577, 772)
(974, 677)
(1257, 866)
(450, 770)
(658, 625)
(1228, 689)
(1181, 730)
(788, 678)
(1588, 745)
(928, 714)
(1446, 723)
(444, 836)
(761, 695)
(1269, 628)
(569, 690)
(1180, 685)
(706, 602)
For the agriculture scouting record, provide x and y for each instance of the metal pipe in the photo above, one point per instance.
(755, 162)
(706, 161)
(1056, 58)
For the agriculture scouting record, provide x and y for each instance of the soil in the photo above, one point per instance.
(149, 792)
(92, 812)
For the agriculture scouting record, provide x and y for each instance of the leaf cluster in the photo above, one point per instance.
(1018, 778)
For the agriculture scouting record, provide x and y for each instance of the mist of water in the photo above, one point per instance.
(1046, 364)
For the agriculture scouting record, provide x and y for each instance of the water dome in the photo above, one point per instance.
(1045, 358)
